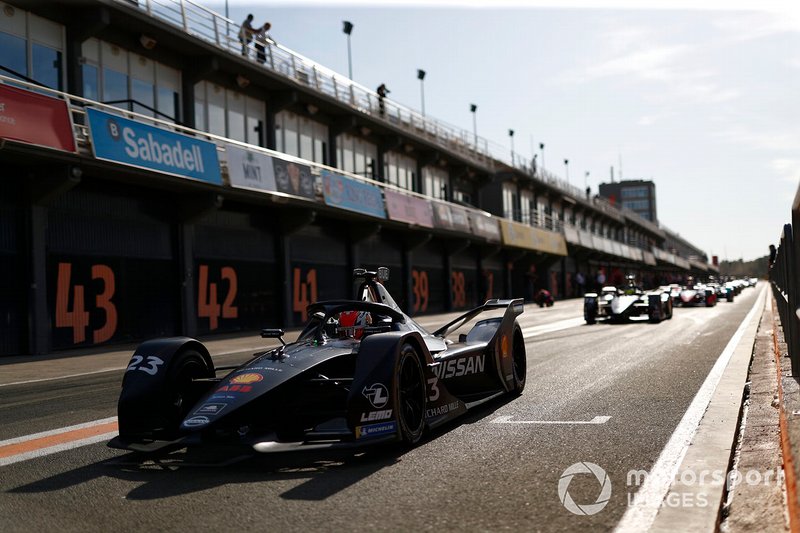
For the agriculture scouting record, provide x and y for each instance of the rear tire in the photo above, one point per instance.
(519, 362)
(590, 313)
(411, 397)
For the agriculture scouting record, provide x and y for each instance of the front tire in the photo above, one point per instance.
(411, 398)
(187, 366)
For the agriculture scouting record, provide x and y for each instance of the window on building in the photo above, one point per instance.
(510, 210)
(526, 205)
(136, 83)
(436, 182)
(356, 155)
(31, 47)
(399, 170)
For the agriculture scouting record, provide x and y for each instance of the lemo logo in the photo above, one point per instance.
(566, 479)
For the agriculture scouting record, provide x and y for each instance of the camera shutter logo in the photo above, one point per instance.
(566, 479)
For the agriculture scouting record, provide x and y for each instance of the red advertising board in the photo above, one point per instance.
(33, 118)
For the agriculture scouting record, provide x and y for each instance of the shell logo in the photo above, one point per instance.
(243, 379)
(504, 346)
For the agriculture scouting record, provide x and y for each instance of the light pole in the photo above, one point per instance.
(421, 78)
(511, 134)
(348, 29)
(473, 108)
(541, 150)
(566, 168)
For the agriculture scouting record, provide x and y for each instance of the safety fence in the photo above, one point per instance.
(783, 275)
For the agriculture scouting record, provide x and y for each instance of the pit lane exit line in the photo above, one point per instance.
(57, 440)
(594, 421)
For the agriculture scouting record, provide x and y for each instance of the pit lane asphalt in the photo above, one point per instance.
(474, 474)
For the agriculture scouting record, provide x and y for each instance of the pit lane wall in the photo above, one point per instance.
(117, 227)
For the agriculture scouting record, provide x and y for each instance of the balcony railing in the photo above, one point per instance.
(219, 31)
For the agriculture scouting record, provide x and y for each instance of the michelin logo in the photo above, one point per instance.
(373, 430)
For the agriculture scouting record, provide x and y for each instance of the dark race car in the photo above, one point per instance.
(360, 372)
(701, 295)
(623, 304)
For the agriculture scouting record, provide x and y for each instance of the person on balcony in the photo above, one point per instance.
(246, 33)
(261, 39)
(382, 93)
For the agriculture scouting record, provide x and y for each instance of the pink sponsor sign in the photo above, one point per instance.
(409, 209)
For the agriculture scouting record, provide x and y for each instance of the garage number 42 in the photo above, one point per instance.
(150, 365)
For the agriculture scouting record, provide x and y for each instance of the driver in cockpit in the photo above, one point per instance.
(352, 324)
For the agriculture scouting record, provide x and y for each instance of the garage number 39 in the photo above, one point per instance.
(150, 365)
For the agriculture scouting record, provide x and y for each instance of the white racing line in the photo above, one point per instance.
(642, 513)
(57, 440)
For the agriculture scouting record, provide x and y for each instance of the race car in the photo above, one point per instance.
(622, 304)
(698, 295)
(360, 372)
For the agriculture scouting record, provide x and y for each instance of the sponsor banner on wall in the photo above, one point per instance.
(33, 118)
(409, 209)
(550, 241)
(649, 258)
(451, 217)
(294, 178)
(250, 168)
(129, 142)
(485, 226)
(572, 235)
(353, 195)
(516, 234)
(586, 239)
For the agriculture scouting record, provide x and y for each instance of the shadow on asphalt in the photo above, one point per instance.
(186, 471)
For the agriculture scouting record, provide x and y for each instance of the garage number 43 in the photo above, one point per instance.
(150, 365)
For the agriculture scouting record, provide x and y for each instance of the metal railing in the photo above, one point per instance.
(784, 276)
(222, 32)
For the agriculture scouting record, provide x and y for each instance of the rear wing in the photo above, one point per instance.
(514, 308)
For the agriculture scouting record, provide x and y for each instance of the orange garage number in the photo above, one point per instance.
(208, 298)
(77, 317)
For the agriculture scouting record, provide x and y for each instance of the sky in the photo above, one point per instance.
(701, 97)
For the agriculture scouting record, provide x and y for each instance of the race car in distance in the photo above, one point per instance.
(360, 372)
(622, 304)
(698, 295)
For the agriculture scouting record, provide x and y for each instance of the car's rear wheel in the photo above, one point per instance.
(411, 398)
(590, 313)
(519, 360)
(669, 309)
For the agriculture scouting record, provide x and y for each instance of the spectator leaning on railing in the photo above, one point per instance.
(246, 33)
(261, 39)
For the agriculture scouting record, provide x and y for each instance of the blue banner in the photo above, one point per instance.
(125, 141)
(347, 193)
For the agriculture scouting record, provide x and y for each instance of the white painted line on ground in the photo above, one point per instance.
(641, 514)
(534, 331)
(593, 421)
(5, 461)
(57, 440)
(115, 369)
(531, 331)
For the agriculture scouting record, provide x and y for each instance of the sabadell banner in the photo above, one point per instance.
(129, 142)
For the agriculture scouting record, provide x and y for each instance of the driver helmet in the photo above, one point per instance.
(348, 320)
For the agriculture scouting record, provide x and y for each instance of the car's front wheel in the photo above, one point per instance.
(411, 397)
